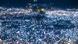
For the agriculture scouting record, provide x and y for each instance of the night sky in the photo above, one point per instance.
(55, 3)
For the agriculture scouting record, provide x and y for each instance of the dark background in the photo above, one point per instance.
(54, 3)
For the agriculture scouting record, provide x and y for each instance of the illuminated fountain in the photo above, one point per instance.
(21, 26)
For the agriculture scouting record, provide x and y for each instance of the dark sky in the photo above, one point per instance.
(57, 3)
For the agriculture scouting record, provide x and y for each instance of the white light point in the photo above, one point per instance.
(40, 39)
